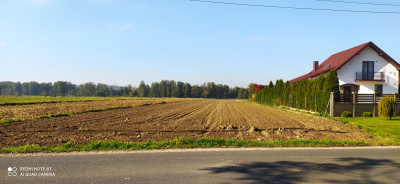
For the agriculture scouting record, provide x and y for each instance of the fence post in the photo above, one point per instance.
(394, 98)
(374, 111)
(332, 102)
(354, 103)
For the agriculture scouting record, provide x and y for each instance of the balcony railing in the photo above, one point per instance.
(370, 76)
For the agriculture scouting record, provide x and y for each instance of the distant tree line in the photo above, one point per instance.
(305, 94)
(164, 88)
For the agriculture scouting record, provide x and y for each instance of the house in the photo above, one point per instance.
(364, 69)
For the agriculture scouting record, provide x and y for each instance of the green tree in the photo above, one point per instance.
(321, 104)
(163, 89)
(25, 88)
(232, 92)
(143, 90)
(188, 90)
(180, 89)
(45, 88)
(18, 88)
(386, 107)
(278, 91)
(60, 88)
(197, 91)
(102, 90)
(228, 92)
(87, 89)
(286, 93)
(71, 89)
(34, 88)
(331, 82)
(155, 89)
(172, 88)
(206, 94)
(133, 92)
(246, 93)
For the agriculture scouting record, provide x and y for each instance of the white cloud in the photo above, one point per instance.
(258, 38)
(116, 26)
(3, 43)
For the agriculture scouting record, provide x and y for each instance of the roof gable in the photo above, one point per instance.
(336, 61)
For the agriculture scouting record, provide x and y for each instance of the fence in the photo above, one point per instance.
(362, 98)
(358, 103)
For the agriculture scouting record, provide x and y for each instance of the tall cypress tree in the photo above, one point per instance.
(271, 93)
(331, 83)
(278, 91)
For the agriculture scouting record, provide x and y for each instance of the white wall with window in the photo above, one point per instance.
(368, 63)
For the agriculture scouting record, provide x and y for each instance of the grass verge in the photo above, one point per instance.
(181, 143)
(385, 129)
(380, 127)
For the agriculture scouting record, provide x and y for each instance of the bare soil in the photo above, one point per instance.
(196, 119)
(30, 111)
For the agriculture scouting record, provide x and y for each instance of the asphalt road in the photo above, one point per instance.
(267, 165)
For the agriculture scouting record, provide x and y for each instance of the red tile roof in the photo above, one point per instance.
(336, 61)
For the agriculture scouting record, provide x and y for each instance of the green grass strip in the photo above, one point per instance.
(8, 121)
(380, 127)
(183, 143)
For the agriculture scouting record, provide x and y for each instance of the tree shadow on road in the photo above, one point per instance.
(345, 170)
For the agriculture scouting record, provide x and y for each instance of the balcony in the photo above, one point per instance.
(370, 76)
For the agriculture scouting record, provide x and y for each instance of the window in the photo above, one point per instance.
(368, 70)
(378, 89)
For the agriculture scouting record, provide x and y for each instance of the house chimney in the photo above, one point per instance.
(315, 66)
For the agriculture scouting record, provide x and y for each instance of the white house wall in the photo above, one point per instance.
(347, 74)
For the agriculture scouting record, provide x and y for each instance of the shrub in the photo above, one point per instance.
(366, 114)
(346, 114)
(386, 107)
(253, 97)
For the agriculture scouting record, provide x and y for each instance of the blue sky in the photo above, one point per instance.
(120, 42)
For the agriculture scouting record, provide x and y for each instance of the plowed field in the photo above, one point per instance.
(199, 118)
(30, 111)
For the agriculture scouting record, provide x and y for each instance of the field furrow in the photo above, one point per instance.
(186, 118)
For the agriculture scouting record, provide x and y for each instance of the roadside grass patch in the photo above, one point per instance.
(380, 127)
(182, 143)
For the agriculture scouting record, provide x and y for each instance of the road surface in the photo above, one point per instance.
(219, 165)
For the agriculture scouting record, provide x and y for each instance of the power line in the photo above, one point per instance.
(364, 3)
(293, 7)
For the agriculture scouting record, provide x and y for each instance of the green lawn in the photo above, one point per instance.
(179, 143)
(48, 99)
(379, 126)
